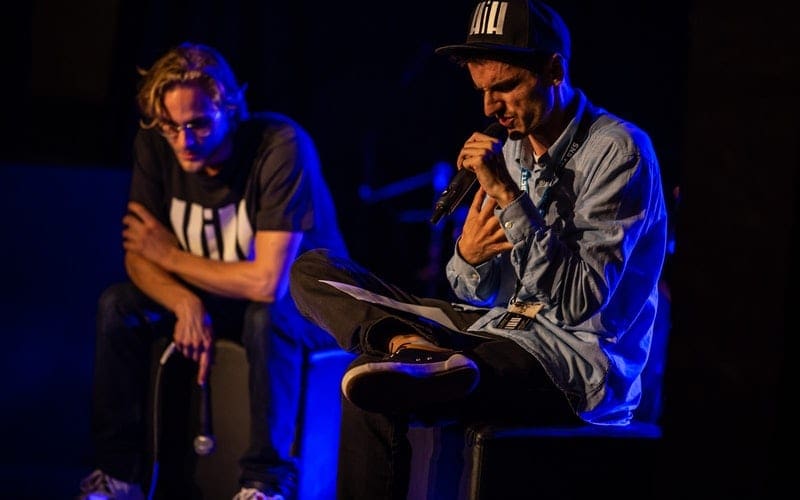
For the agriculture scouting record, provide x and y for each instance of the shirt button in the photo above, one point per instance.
(508, 225)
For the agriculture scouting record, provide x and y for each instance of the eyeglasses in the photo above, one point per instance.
(201, 127)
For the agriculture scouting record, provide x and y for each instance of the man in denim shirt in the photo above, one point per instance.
(558, 264)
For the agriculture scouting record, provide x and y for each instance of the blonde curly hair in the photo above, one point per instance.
(189, 63)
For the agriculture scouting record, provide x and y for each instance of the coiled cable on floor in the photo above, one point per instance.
(156, 412)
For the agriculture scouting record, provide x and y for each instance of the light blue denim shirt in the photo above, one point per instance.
(593, 261)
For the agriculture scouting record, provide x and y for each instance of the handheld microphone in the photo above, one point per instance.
(462, 182)
(204, 442)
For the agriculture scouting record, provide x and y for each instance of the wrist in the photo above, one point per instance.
(508, 196)
(188, 306)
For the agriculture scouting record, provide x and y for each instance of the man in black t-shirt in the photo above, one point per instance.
(221, 203)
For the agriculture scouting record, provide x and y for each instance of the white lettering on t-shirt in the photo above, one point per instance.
(222, 233)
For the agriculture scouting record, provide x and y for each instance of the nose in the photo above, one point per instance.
(186, 136)
(491, 105)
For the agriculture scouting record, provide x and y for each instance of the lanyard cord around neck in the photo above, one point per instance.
(577, 140)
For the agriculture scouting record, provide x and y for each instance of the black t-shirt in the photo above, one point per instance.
(272, 181)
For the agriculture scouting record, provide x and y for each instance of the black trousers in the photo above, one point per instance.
(275, 338)
(374, 453)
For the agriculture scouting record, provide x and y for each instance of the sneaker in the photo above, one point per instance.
(255, 494)
(409, 379)
(100, 486)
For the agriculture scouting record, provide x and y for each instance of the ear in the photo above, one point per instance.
(556, 69)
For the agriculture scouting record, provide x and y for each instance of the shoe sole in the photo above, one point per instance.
(395, 387)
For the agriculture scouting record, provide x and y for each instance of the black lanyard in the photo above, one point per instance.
(577, 140)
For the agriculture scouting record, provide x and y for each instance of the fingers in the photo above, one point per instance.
(483, 205)
(202, 367)
(194, 338)
(195, 349)
(472, 155)
(136, 216)
(204, 363)
(190, 351)
(481, 137)
(138, 211)
(477, 199)
(476, 149)
(202, 354)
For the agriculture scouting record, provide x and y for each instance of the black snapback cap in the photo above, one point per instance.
(512, 27)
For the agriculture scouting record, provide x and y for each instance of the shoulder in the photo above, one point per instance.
(145, 136)
(274, 126)
(149, 143)
(610, 132)
(277, 142)
(619, 153)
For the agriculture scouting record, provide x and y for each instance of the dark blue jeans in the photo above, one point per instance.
(275, 338)
(374, 450)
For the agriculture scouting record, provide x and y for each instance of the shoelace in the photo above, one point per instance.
(422, 355)
(96, 482)
(254, 494)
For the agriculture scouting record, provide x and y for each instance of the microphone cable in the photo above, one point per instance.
(156, 412)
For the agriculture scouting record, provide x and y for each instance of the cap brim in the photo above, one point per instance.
(481, 50)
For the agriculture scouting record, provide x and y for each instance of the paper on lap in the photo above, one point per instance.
(432, 313)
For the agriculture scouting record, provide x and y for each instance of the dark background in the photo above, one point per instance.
(716, 87)
(360, 76)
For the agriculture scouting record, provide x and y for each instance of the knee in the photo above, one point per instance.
(111, 296)
(257, 317)
(259, 324)
(112, 307)
(310, 267)
(308, 264)
(306, 272)
(123, 308)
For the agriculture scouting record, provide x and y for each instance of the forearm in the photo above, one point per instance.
(158, 284)
(265, 278)
(239, 280)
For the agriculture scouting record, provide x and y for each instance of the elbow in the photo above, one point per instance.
(581, 307)
(268, 290)
(265, 298)
(132, 264)
(263, 294)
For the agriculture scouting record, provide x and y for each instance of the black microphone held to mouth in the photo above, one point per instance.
(462, 182)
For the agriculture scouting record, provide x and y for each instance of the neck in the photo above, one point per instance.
(222, 153)
(565, 105)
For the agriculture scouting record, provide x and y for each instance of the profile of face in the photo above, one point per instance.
(519, 99)
(195, 127)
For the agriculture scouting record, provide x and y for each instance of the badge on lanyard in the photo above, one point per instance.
(520, 315)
